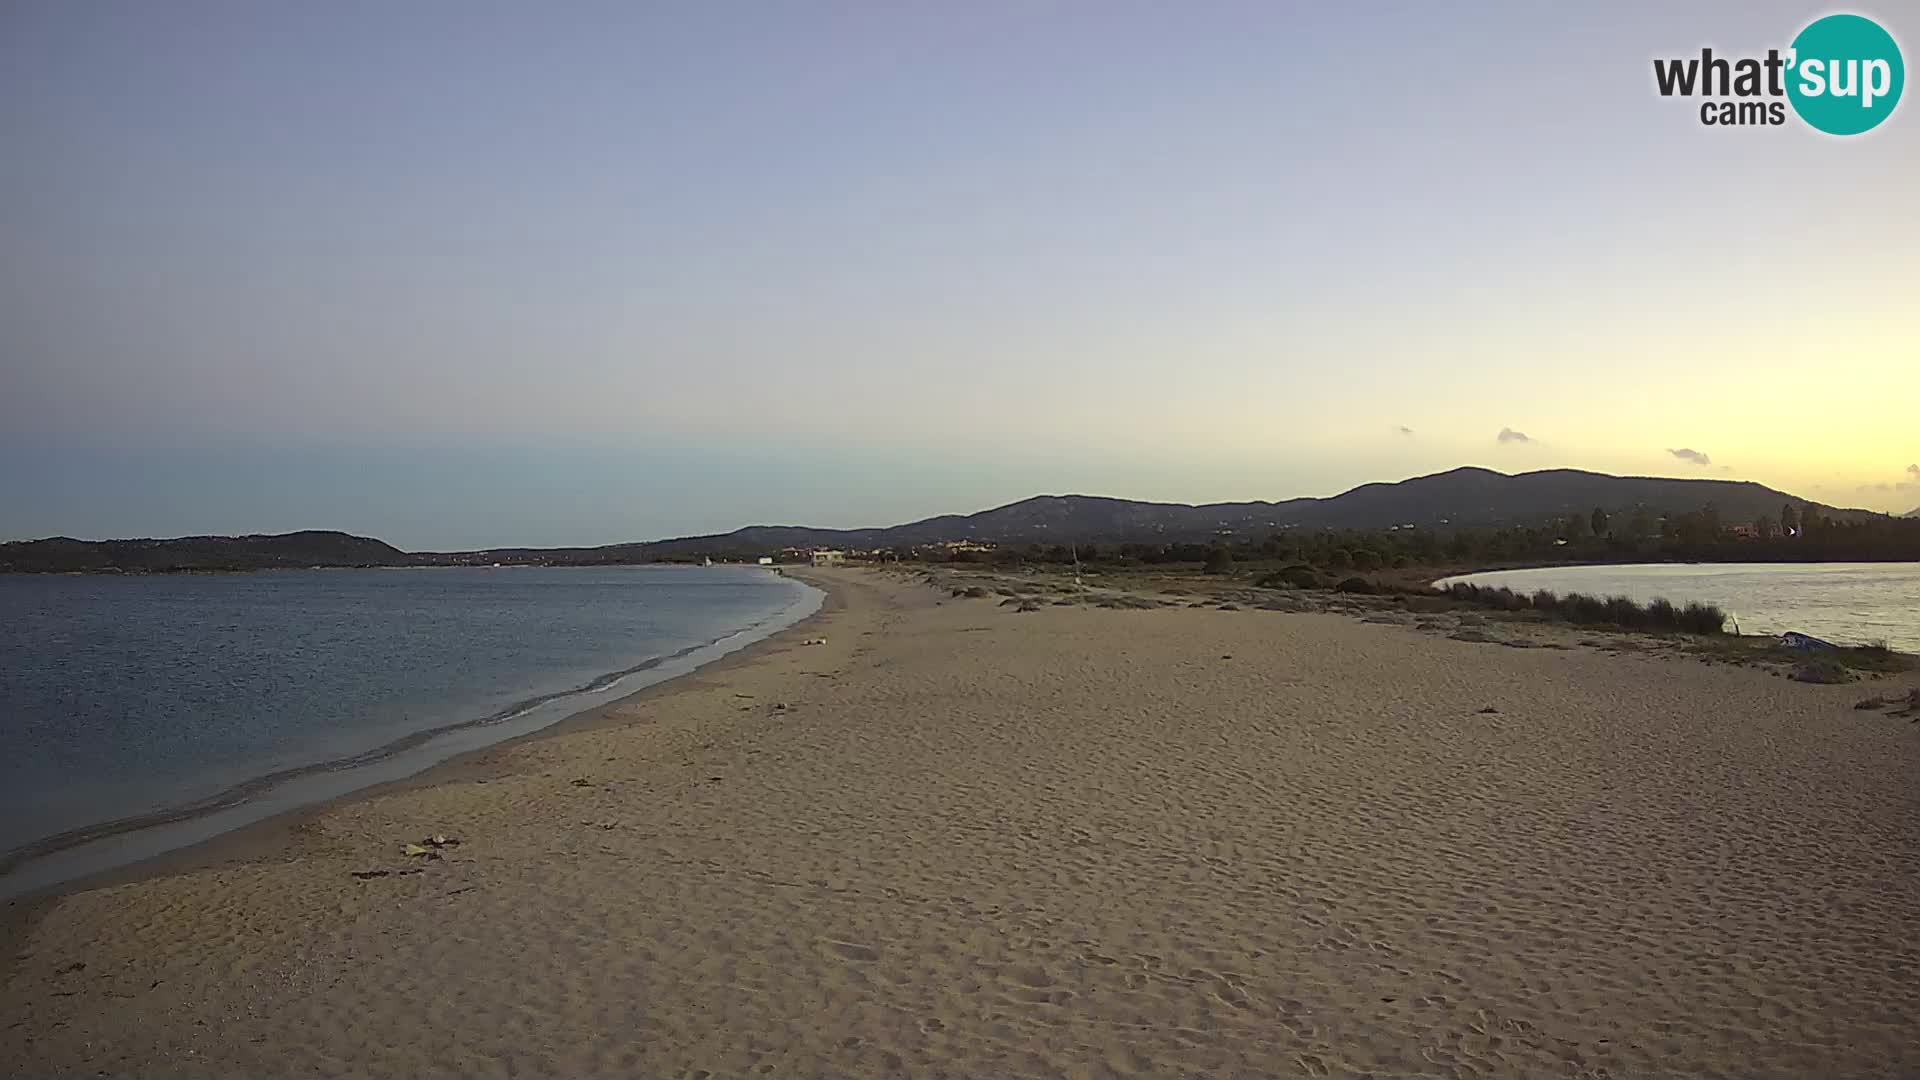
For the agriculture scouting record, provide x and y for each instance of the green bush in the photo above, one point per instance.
(1356, 585)
(1624, 612)
(1703, 619)
(1581, 608)
(1297, 576)
(1662, 614)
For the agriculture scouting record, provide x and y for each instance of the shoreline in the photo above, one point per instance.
(214, 849)
(993, 836)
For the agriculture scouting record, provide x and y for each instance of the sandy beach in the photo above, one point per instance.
(957, 839)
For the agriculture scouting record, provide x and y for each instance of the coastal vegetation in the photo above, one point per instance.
(1659, 614)
(1595, 536)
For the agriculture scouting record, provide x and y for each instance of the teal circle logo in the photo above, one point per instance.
(1845, 74)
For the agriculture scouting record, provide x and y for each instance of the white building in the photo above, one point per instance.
(828, 557)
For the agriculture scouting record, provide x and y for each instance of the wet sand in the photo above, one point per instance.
(960, 840)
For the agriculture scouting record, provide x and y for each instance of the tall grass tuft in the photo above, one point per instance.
(1660, 614)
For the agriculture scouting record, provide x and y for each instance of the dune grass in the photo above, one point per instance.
(1660, 614)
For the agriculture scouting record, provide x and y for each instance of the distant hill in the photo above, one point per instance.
(1458, 498)
(62, 554)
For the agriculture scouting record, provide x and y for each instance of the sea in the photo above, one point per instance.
(1845, 603)
(144, 713)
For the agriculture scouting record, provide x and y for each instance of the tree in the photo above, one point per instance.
(1576, 526)
(1789, 521)
(1809, 519)
(1219, 560)
(1764, 526)
(1599, 522)
(1340, 558)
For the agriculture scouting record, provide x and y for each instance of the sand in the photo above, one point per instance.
(1070, 842)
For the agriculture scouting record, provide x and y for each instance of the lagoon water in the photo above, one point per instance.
(123, 697)
(1847, 603)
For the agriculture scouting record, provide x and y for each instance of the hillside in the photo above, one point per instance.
(1458, 498)
(62, 554)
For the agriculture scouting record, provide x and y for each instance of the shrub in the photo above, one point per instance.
(1581, 608)
(976, 592)
(1703, 619)
(1662, 614)
(1219, 561)
(1356, 585)
(1624, 612)
(1592, 610)
(1297, 576)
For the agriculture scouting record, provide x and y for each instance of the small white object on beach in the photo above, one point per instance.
(815, 641)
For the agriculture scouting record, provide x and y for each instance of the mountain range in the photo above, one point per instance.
(1458, 498)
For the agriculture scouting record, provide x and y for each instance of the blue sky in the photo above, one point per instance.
(477, 274)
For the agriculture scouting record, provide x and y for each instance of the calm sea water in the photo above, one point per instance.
(1847, 603)
(130, 696)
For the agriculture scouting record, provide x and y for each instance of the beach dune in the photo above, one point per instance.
(959, 840)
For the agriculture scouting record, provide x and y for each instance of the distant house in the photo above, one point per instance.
(1745, 530)
(766, 560)
(828, 557)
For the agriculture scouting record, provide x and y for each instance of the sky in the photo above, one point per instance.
(483, 274)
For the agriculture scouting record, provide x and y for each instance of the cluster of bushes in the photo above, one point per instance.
(1660, 614)
(1297, 576)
